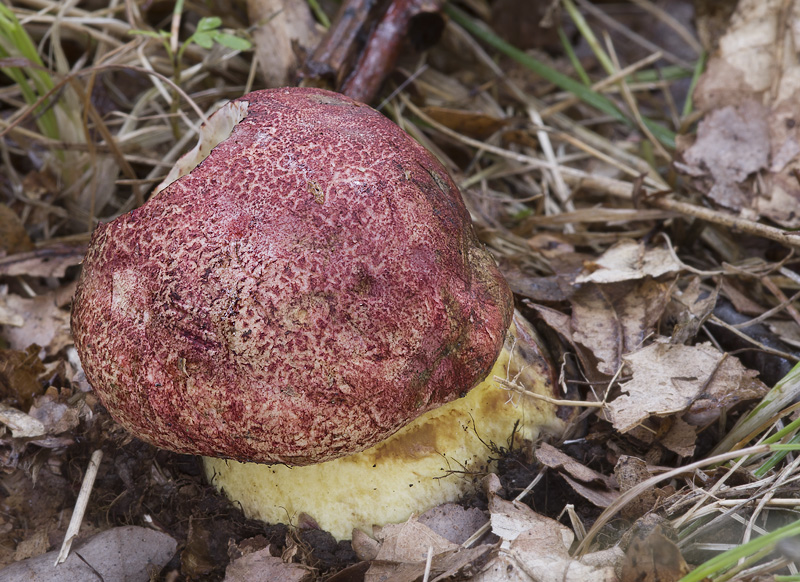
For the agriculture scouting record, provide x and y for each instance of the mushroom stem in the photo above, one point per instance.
(438, 458)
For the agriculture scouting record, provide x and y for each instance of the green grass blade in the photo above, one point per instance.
(596, 100)
(688, 105)
(33, 82)
(573, 58)
(729, 559)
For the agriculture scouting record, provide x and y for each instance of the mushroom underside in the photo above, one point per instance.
(438, 458)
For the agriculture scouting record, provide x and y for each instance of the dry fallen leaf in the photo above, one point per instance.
(628, 260)
(654, 558)
(537, 548)
(614, 319)
(260, 566)
(746, 154)
(404, 550)
(43, 322)
(471, 123)
(670, 378)
(282, 30)
(598, 488)
(454, 522)
(121, 553)
(690, 309)
(732, 143)
(46, 261)
(13, 237)
(680, 438)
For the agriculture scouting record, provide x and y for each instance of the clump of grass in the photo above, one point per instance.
(34, 81)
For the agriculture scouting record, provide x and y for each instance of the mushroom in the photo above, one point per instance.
(304, 302)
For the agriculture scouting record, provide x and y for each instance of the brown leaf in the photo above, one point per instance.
(538, 549)
(13, 237)
(562, 324)
(19, 376)
(470, 123)
(614, 319)
(121, 553)
(691, 308)
(404, 551)
(49, 261)
(599, 496)
(282, 31)
(654, 558)
(732, 143)
(751, 125)
(261, 566)
(454, 522)
(628, 260)
(680, 438)
(596, 487)
(41, 322)
(669, 378)
(409, 542)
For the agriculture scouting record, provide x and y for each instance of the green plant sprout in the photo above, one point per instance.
(207, 33)
(205, 36)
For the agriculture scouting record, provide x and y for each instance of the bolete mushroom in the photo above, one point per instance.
(307, 284)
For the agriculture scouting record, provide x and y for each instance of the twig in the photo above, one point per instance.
(732, 222)
(574, 403)
(80, 505)
(785, 355)
(428, 562)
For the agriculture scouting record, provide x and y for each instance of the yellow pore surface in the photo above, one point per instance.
(438, 458)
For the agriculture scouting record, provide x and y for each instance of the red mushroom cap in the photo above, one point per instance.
(309, 288)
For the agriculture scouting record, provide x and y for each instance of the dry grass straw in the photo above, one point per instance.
(110, 151)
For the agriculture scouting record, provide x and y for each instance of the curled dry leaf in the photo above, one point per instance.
(669, 378)
(535, 547)
(628, 260)
(598, 488)
(751, 101)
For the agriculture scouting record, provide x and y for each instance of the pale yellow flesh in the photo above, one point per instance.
(438, 458)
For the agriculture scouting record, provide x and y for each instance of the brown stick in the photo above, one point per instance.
(344, 60)
(383, 47)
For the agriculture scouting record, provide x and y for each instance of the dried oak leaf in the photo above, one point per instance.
(669, 378)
